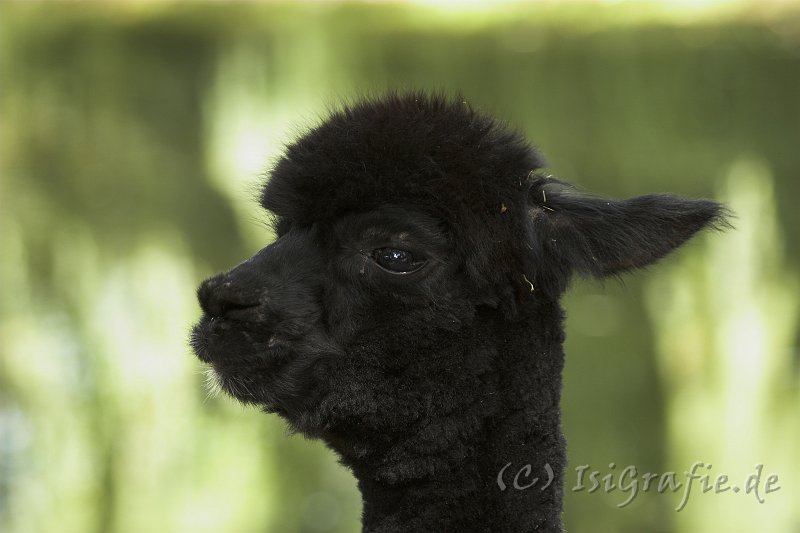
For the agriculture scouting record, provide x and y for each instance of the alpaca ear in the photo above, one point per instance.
(601, 237)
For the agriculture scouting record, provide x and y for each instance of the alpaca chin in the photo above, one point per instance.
(251, 363)
(213, 382)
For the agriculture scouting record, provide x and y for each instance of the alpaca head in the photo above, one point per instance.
(411, 230)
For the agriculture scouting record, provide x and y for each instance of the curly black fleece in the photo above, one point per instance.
(426, 383)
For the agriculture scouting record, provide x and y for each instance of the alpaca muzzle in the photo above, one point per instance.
(261, 328)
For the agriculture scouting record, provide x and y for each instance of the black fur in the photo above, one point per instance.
(425, 383)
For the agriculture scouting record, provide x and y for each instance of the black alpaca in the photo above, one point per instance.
(408, 313)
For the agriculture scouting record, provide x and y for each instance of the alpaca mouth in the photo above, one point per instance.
(253, 365)
(221, 341)
(240, 362)
(204, 338)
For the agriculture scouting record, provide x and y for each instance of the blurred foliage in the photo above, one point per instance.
(725, 341)
(133, 134)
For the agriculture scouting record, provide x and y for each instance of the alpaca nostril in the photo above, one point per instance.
(228, 307)
(220, 298)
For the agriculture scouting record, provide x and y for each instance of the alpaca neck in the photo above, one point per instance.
(473, 468)
(492, 491)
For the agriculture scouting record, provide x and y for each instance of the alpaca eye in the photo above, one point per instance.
(397, 261)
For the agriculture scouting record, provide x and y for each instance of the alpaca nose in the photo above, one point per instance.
(220, 297)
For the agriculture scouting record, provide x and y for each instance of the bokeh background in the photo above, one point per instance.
(132, 135)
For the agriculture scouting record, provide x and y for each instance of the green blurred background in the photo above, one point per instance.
(133, 134)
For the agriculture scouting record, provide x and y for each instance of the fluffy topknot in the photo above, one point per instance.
(429, 151)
